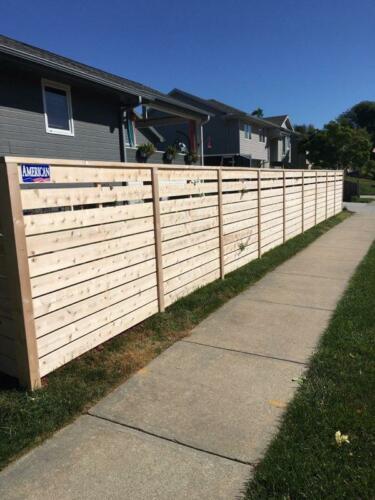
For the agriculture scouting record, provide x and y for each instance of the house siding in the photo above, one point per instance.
(222, 135)
(253, 147)
(22, 126)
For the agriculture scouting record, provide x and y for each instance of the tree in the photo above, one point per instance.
(304, 134)
(338, 146)
(305, 130)
(362, 115)
(257, 112)
(368, 169)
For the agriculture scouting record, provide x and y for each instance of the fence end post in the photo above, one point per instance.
(18, 276)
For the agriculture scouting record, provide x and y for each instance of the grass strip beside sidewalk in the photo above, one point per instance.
(26, 419)
(304, 461)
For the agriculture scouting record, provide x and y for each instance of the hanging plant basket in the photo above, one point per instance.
(144, 151)
(190, 158)
(170, 154)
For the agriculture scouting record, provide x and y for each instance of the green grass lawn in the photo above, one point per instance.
(358, 199)
(338, 394)
(26, 419)
(366, 186)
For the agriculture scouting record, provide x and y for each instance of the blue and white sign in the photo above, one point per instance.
(32, 172)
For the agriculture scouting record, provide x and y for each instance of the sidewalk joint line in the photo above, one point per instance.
(291, 305)
(275, 358)
(175, 441)
(308, 275)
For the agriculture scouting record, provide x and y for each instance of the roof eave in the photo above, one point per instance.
(123, 88)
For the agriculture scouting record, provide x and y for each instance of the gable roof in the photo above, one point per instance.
(277, 120)
(43, 57)
(282, 121)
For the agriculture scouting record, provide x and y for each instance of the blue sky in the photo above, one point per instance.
(310, 59)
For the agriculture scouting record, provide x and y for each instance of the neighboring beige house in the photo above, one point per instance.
(234, 137)
(280, 140)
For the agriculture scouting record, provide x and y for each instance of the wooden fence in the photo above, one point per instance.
(101, 246)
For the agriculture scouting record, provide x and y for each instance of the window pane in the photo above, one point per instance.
(57, 108)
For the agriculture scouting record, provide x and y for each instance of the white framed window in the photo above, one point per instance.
(57, 103)
(262, 135)
(247, 130)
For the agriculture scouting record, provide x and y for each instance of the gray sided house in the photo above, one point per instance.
(234, 137)
(54, 107)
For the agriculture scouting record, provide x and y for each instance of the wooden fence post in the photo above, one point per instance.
(303, 201)
(259, 215)
(326, 194)
(316, 196)
(342, 188)
(221, 228)
(284, 207)
(18, 277)
(334, 196)
(157, 230)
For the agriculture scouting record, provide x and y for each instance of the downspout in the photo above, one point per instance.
(123, 112)
(202, 139)
(123, 155)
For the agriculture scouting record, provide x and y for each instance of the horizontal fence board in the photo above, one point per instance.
(181, 230)
(61, 298)
(240, 252)
(72, 219)
(233, 173)
(185, 278)
(190, 263)
(63, 197)
(238, 226)
(67, 277)
(74, 312)
(74, 349)
(188, 241)
(79, 174)
(190, 287)
(190, 175)
(236, 264)
(184, 254)
(173, 219)
(179, 205)
(74, 256)
(71, 238)
(84, 326)
(175, 189)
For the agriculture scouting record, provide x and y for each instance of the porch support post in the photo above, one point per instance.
(201, 143)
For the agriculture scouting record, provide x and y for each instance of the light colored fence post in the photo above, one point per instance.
(221, 224)
(316, 196)
(342, 188)
(259, 214)
(157, 229)
(284, 207)
(326, 194)
(18, 277)
(334, 196)
(303, 201)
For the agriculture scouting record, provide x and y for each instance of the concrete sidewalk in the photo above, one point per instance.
(193, 423)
